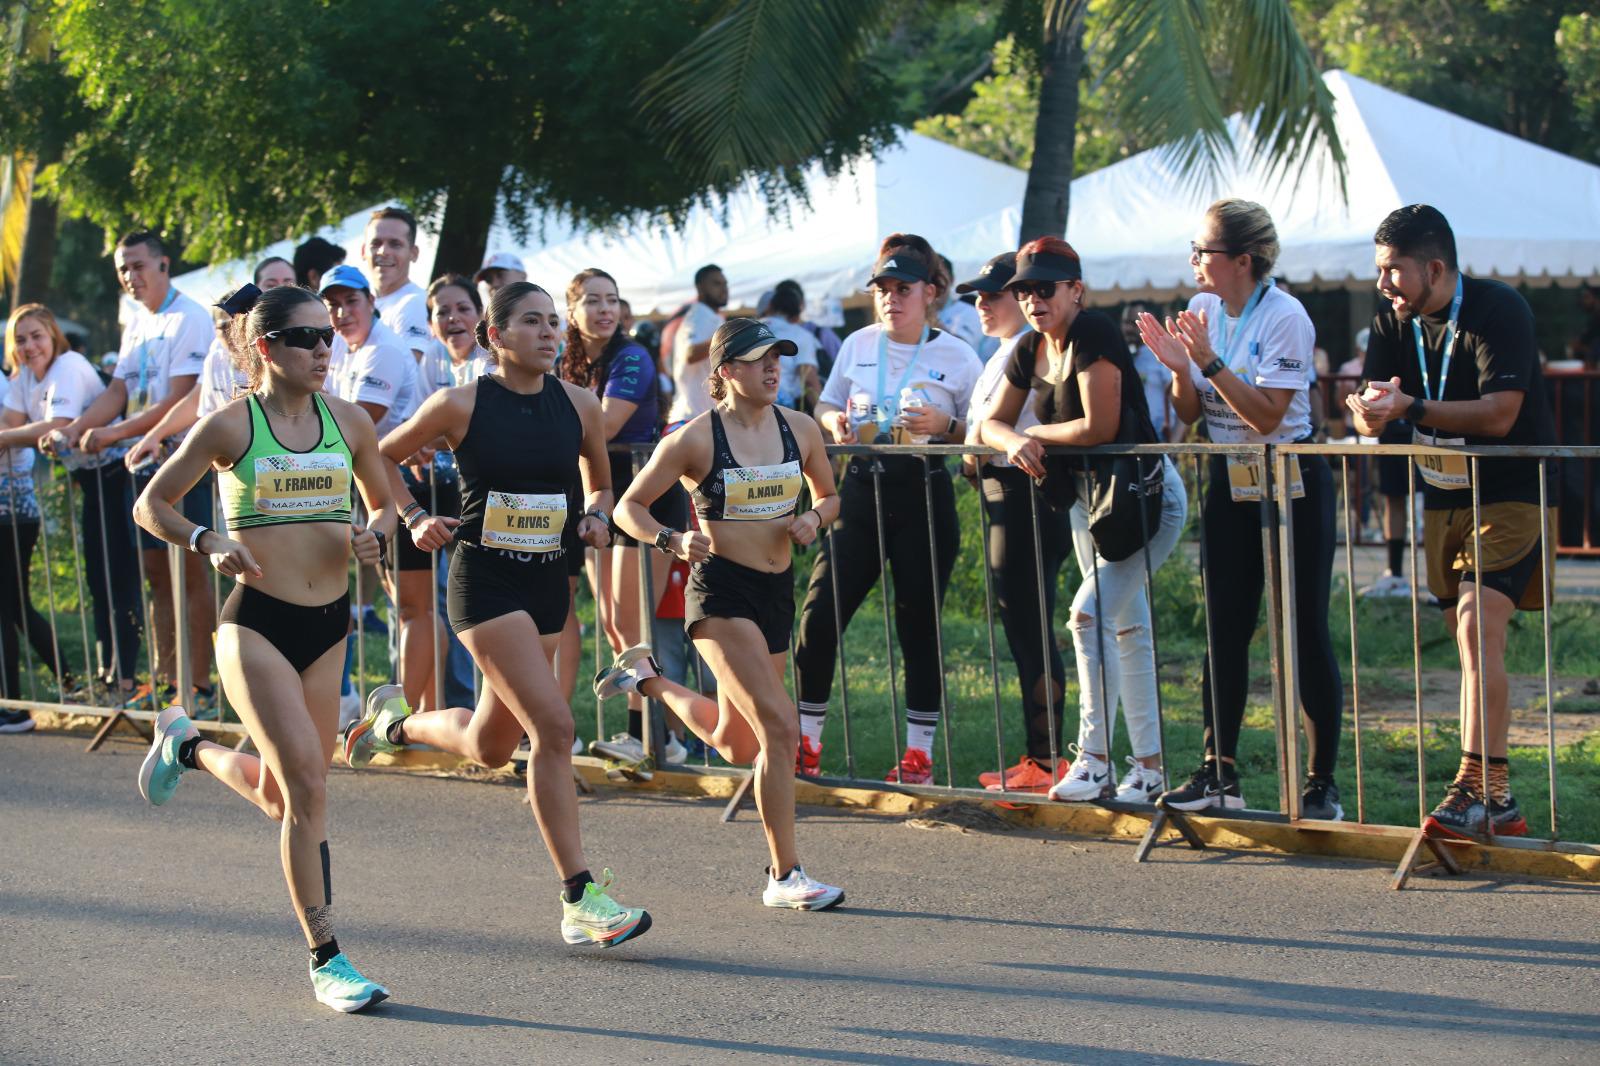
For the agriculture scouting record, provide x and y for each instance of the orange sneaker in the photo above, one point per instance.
(915, 769)
(808, 759)
(1029, 775)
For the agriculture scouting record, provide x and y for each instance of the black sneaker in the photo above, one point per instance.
(1320, 800)
(15, 721)
(1204, 790)
(1460, 814)
(1507, 818)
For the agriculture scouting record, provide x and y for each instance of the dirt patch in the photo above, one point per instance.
(1388, 703)
(962, 817)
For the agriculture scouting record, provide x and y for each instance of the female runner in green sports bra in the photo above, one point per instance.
(286, 455)
(745, 460)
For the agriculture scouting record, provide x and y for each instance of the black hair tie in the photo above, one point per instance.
(240, 300)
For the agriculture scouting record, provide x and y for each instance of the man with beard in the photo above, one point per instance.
(1457, 357)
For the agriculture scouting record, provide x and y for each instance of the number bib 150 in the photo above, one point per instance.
(524, 522)
(1447, 472)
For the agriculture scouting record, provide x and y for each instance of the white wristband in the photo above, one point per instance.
(194, 538)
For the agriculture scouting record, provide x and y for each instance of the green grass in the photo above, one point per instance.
(1388, 755)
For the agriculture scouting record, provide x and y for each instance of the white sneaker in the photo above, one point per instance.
(1139, 784)
(577, 744)
(800, 893)
(676, 754)
(1388, 587)
(1088, 778)
(621, 747)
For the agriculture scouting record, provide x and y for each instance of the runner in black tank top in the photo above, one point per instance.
(521, 436)
(746, 459)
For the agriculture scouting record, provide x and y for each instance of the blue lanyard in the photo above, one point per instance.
(885, 404)
(1449, 346)
(1228, 342)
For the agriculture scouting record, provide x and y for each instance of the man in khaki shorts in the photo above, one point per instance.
(1456, 356)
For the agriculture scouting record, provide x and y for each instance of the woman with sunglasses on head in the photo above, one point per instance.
(521, 437)
(746, 459)
(285, 457)
(1241, 357)
(900, 380)
(602, 357)
(1078, 374)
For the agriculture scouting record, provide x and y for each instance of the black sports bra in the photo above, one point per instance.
(734, 493)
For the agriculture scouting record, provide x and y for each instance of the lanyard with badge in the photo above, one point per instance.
(1244, 481)
(885, 403)
(1448, 472)
(142, 397)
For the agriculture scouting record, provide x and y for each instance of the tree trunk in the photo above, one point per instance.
(468, 215)
(38, 253)
(1055, 134)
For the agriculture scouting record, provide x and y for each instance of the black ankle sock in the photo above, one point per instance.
(323, 952)
(1397, 556)
(186, 752)
(786, 873)
(395, 734)
(572, 888)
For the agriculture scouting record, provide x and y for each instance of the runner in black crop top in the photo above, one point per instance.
(518, 456)
(731, 492)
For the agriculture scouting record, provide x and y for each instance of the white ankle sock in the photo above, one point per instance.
(920, 732)
(813, 716)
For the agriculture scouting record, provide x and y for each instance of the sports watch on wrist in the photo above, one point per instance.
(1416, 410)
(1213, 368)
(664, 538)
(597, 513)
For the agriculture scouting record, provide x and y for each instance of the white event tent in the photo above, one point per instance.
(1520, 212)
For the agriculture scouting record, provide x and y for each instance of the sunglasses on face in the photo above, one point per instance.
(1195, 251)
(1039, 290)
(305, 337)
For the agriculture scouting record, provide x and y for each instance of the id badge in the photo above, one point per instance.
(1244, 480)
(1447, 472)
(524, 522)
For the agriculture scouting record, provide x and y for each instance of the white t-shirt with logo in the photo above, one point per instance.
(946, 372)
(158, 346)
(437, 370)
(791, 386)
(690, 396)
(382, 371)
(1274, 352)
(220, 381)
(17, 461)
(987, 390)
(66, 391)
(405, 311)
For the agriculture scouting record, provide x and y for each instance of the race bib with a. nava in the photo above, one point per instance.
(1449, 472)
(756, 492)
(523, 521)
(302, 484)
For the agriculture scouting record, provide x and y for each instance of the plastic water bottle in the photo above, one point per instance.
(912, 398)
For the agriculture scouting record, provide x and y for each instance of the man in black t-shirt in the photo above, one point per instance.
(1457, 357)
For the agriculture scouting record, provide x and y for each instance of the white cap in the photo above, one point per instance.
(500, 261)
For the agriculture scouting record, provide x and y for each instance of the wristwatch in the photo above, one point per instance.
(597, 513)
(1214, 368)
(664, 538)
(1415, 412)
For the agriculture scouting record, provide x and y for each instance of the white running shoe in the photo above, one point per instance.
(1139, 784)
(1088, 778)
(676, 754)
(798, 892)
(626, 672)
(1390, 586)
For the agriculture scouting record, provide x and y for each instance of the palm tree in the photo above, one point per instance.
(757, 87)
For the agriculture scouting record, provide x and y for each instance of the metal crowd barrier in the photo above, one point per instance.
(60, 542)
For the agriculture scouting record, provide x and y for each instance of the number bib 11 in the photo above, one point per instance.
(1244, 480)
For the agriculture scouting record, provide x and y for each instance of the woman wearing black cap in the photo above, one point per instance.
(1007, 500)
(1241, 356)
(746, 459)
(1080, 377)
(899, 380)
(521, 437)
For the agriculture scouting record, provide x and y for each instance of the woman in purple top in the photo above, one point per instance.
(600, 356)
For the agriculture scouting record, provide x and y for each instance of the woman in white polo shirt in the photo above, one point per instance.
(899, 380)
(1241, 356)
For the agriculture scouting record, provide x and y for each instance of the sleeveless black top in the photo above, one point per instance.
(517, 461)
(734, 493)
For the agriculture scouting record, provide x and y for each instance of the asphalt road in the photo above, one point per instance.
(136, 935)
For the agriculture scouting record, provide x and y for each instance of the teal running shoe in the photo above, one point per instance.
(341, 986)
(597, 919)
(386, 705)
(159, 773)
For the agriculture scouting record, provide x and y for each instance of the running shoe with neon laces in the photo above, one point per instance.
(808, 758)
(798, 892)
(597, 919)
(626, 672)
(159, 773)
(386, 705)
(1207, 787)
(340, 985)
(1141, 784)
(915, 768)
(1087, 779)
(1029, 775)
(624, 758)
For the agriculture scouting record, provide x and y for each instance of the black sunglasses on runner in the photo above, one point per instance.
(1041, 290)
(302, 336)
